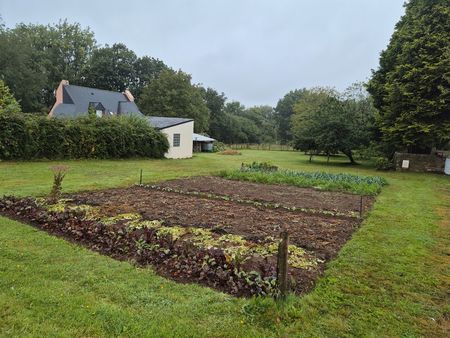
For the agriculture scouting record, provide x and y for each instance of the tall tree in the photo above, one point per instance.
(173, 94)
(146, 69)
(69, 50)
(20, 70)
(34, 59)
(263, 118)
(359, 105)
(237, 128)
(284, 111)
(328, 122)
(239, 124)
(8, 103)
(111, 68)
(411, 87)
(216, 104)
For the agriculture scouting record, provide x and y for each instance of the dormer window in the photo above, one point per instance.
(99, 108)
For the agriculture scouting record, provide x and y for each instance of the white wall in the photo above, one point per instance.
(185, 149)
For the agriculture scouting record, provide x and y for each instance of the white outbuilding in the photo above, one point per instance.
(179, 133)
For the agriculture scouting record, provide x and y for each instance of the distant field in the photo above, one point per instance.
(390, 279)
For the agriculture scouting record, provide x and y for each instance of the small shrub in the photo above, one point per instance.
(218, 146)
(384, 164)
(59, 172)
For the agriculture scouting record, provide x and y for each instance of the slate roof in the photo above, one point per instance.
(77, 99)
(160, 122)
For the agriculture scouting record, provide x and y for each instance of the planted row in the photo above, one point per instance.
(252, 202)
(357, 184)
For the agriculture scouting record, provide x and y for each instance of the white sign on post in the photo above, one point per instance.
(405, 164)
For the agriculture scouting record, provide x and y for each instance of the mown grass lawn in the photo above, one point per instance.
(391, 279)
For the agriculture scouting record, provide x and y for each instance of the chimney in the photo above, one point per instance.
(128, 95)
(59, 95)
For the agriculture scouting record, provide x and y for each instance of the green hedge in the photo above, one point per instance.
(35, 137)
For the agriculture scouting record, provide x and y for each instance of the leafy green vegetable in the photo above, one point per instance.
(364, 185)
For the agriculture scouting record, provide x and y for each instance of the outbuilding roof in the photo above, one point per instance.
(201, 138)
(160, 122)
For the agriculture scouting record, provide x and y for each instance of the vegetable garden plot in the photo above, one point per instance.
(304, 199)
(323, 234)
(227, 245)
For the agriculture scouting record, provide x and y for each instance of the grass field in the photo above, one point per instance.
(391, 279)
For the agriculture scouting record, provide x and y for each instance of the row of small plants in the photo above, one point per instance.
(189, 254)
(357, 184)
(252, 202)
(259, 166)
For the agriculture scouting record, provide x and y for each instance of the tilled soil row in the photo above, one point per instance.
(288, 196)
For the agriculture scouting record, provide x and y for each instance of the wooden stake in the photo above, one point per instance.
(140, 178)
(361, 207)
(282, 264)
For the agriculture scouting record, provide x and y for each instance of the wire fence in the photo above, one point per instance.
(263, 146)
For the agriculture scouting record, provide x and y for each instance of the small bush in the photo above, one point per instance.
(218, 146)
(59, 172)
(384, 164)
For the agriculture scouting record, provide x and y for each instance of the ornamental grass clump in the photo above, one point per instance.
(59, 172)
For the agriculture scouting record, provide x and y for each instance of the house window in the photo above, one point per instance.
(99, 113)
(176, 140)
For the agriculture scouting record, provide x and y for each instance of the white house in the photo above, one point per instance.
(75, 101)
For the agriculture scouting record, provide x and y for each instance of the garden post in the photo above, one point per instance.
(360, 207)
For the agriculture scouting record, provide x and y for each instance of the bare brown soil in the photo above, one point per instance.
(323, 235)
(285, 195)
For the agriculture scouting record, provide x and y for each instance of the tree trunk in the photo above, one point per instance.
(349, 154)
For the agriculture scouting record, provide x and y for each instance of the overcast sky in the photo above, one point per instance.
(253, 51)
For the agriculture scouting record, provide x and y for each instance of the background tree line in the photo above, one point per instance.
(406, 106)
